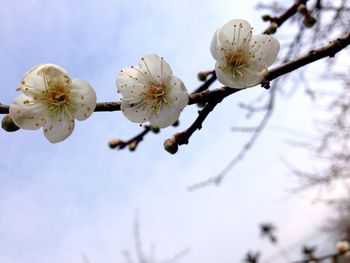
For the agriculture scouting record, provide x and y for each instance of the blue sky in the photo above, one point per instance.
(59, 201)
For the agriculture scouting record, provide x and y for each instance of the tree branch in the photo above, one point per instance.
(4, 109)
(278, 21)
(214, 97)
(206, 83)
(328, 50)
(256, 133)
(107, 106)
(133, 142)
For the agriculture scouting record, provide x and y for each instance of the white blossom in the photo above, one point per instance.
(242, 59)
(343, 246)
(151, 93)
(52, 100)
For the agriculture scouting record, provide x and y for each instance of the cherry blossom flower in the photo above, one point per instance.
(52, 100)
(151, 93)
(242, 59)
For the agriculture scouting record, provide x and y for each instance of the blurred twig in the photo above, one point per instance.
(319, 259)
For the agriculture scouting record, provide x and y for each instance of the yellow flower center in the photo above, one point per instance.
(58, 91)
(56, 94)
(155, 95)
(236, 61)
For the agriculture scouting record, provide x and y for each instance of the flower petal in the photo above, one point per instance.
(177, 93)
(83, 98)
(59, 128)
(27, 113)
(130, 82)
(34, 81)
(252, 78)
(50, 70)
(176, 99)
(236, 33)
(166, 116)
(156, 67)
(221, 51)
(136, 110)
(265, 47)
(226, 78)
(213, 45)
(253, 74)
(33, 85)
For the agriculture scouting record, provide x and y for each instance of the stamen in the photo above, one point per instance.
(233, 37)
(161, 68)
(239, 34)
(26, 85)
(68, 112)
(45, 81)
(237, 61)
(149, 72)
(146, 79)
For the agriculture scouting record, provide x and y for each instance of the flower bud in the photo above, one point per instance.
(170, 145)
(309, 252)
(266, 17)
(132, 146)
(8, 125)
(342, 246)
(272, 28)
(202, 76)
(309, 21)
(302, 9)
(115, 143)
(154, 129)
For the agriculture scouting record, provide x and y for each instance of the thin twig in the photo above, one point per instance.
(278, 21)
(133, 142)
(207, 83)
(183, 137)
(328, 50)
(137, 239)
(329, 256)
(218, 179)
